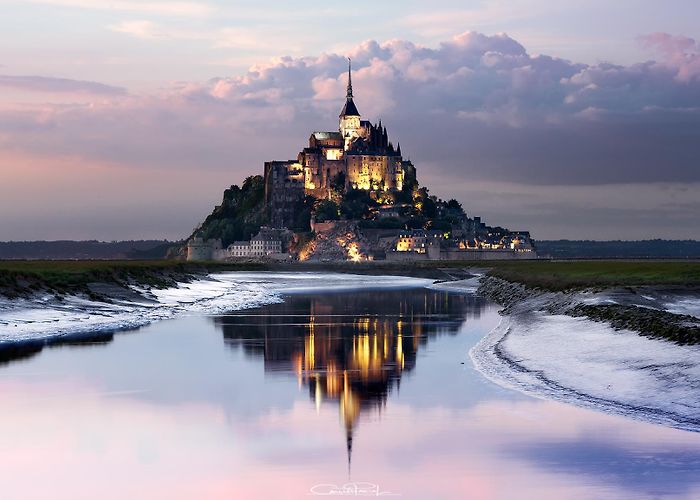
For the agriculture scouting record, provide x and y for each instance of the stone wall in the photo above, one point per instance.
(448, 254)
(458, 254)
(284, 189)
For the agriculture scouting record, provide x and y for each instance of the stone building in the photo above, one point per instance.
(412, 241)
(284, 189)
(357, 156)
(201, 249)
(239, 249)
(267, 243)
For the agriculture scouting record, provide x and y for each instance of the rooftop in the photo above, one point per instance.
(349, 109)
(327, 135)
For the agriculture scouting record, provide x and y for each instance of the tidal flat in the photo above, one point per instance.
(330, 383)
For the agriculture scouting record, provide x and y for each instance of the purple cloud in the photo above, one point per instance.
(61, 85)
(681, 53)
(476, 106)
(483, 120)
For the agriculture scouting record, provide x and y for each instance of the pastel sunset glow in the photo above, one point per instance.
(436, 249)
(579, 120)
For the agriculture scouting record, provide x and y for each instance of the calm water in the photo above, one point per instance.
(325, 389)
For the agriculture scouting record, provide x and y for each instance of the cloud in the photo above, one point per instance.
(482, 107)
(49, 84)
(187, 9)
(240, 38)
(609, 211)
(485, 14)
(139, 29)
(478, 106)
(682, 54)
(475, 109)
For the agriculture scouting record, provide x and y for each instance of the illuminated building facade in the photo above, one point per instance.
(357, 156)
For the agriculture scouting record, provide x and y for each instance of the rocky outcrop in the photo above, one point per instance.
(679, 328)
(339, 241)
(504, 293)
(616, 308)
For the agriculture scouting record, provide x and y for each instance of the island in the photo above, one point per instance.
(348, 195)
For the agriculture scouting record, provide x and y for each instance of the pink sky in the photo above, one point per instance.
(84, 439)
(136, 133)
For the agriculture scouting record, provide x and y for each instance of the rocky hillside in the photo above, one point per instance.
(240, 215)
(343, 241)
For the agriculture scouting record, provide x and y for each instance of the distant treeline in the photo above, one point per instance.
(158, 249)
(92, 249)
(644, 249)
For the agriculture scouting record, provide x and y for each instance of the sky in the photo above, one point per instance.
(126, 119)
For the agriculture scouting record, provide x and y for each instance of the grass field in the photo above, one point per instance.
(554, 275)
(577, 274)
(21, 277)
(65, 276)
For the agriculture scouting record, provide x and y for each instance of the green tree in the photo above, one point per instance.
(327, 210)
(356, 204)
(303, 211)
(338, 183)
(240, 214)
(454, 205)
(429, 208)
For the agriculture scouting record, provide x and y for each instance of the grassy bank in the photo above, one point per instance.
(550, 275)
(22, 277)
(584, 274)
(18, 278)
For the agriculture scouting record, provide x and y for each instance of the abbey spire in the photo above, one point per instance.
(348, 95)
(349, 125)
(349, 109)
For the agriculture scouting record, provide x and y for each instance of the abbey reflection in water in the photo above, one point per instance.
(349, 348)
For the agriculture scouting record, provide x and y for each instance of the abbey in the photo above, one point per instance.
(349, 195)
(357, 156)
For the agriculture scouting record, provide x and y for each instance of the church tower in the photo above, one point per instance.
(349, 116)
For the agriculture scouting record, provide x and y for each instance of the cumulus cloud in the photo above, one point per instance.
(475, 108)
(681, 54)
(48, 84)
(475, 105)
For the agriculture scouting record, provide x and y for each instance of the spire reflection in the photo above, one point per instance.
(348, 348)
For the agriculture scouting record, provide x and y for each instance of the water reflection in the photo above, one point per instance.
(183, 415)
(348, 348)
(11, 352)
(659, 473)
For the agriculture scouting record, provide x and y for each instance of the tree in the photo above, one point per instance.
(415, 222)
(338, 182)
(390, 223)
(303, 210)
(403, 196)
(440, 225)
(429, 208)
(327, 210)
(356, 204)
(240, 214)
(454, 205)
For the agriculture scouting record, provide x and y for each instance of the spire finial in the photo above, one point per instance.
(349, 94)
(348, 437)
